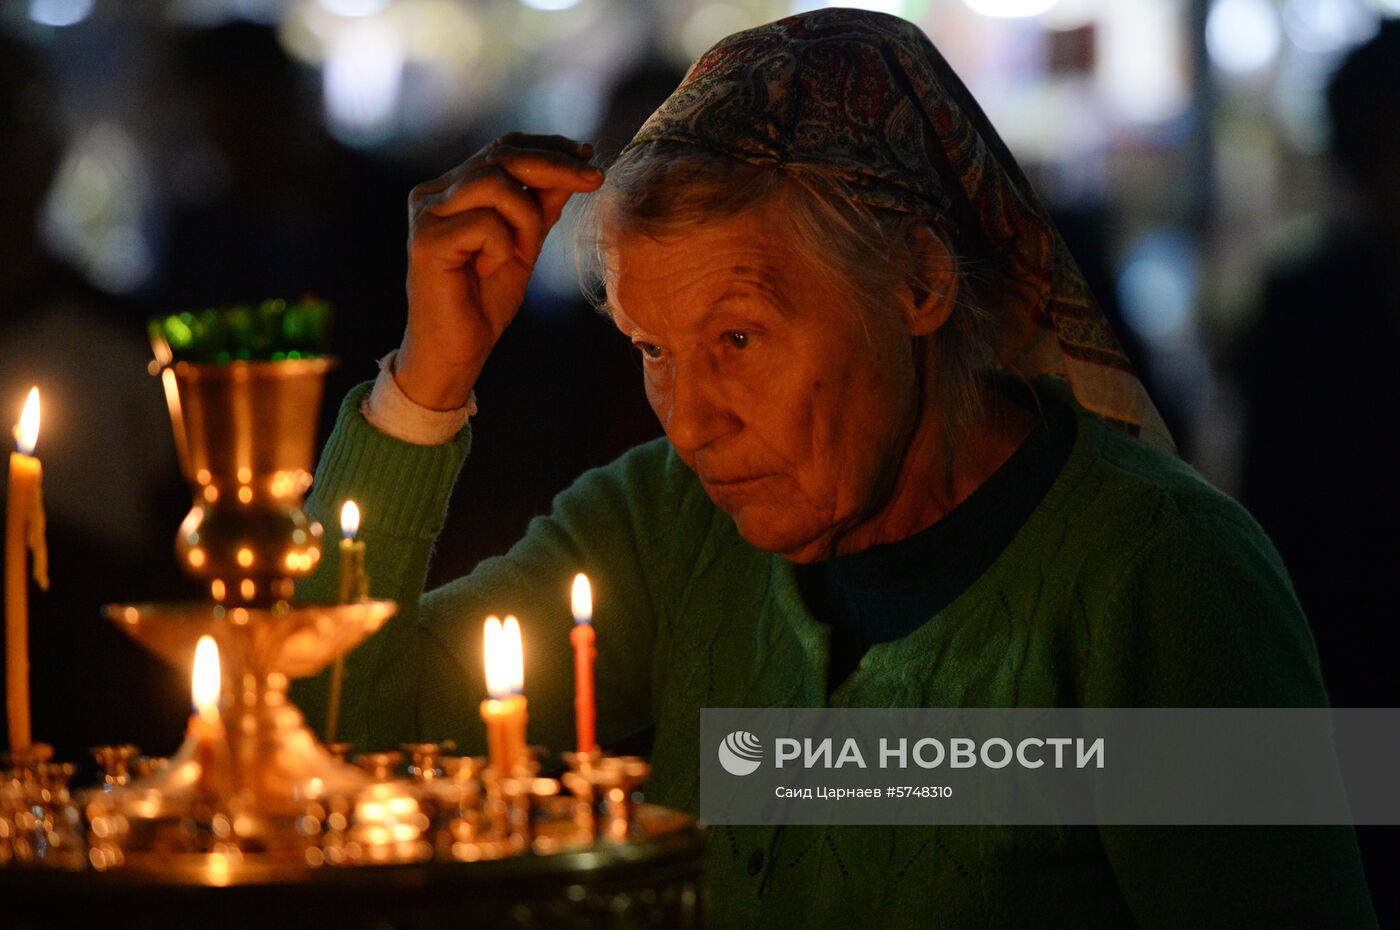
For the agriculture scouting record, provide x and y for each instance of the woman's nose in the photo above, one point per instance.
(693, 411)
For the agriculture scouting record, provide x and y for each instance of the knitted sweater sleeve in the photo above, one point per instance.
(421, 677)
(1204, 616)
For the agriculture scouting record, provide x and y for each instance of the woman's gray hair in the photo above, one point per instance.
(666, 188)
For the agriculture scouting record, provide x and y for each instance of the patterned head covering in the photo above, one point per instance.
(866, 99)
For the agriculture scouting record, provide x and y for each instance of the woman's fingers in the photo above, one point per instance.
(527, 186)
(528, 168)
(552, 177)
(507, 147)
(525, 140)
(494, 189)
(548, 170)
(552, 205)
(478, 236)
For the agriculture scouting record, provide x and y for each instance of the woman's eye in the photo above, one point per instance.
(737, 339)
(649, 349)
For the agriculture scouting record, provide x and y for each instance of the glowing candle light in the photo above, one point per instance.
(24, 533)
(354, 580)
(585, 710)
(206, 683)
(505, 711)
(206, 739)
(354, 585)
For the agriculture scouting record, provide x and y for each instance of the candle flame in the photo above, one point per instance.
(206, 684)
(582, 599)
(490, 650)
(505, 657)
(514, 655)
(350, 519)
(27, 430)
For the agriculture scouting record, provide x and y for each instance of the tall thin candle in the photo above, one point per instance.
(354, 580)
(354, 584)
(585, 710)
(24, 533)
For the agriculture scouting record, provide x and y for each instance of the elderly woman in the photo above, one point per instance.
(905, 465)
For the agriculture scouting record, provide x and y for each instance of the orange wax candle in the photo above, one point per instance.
(505, 720)
(24, 533)
(505, 711)
(585, 709)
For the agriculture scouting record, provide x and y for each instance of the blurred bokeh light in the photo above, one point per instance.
(1192, 131)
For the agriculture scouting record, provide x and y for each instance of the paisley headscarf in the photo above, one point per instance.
(866, 99)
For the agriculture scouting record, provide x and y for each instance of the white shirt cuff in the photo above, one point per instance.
(389, 410)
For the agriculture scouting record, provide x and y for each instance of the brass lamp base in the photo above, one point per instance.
(240, 786)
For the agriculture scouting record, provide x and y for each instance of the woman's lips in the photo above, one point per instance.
(725, 482)
(730, 485)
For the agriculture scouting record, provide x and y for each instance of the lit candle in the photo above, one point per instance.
(207, 682)
(206, 730)
(504, 711)
(354, 584)
(24, 532)
(585, 712)
(354, 580)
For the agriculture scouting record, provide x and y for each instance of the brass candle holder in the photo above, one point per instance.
(115, 762)
(452, 801)
(245, 432)
(380, 766)
(604, 792)
(40, 821)
(425, 760)
(526, 797)
(262, 756)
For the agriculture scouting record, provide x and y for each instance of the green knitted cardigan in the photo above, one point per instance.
(1133, 584)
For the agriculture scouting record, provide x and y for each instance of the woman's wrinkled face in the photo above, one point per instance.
(793, 406)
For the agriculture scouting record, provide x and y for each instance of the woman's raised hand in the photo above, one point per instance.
(474, 236)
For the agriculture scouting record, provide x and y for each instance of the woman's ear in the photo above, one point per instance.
(933, 281)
